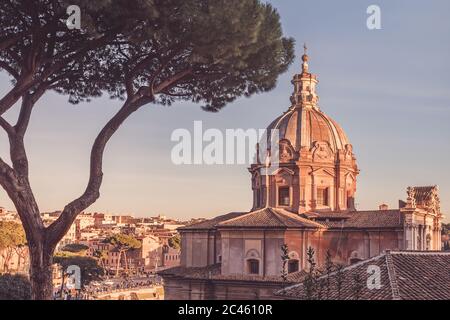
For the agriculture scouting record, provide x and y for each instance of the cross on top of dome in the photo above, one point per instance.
(305, 59)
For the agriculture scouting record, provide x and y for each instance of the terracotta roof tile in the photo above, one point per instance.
(212, 223)
(363, 219)
(405, 275)
(280, 218)
(270, 218)
(422, 275)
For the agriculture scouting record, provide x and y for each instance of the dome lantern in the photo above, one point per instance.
(304, 95)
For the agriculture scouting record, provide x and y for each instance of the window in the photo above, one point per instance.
(253, 266)
(350, 202)
(292, 266)
(284, 197)
(322, 196)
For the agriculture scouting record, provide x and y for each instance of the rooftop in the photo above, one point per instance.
(372, 219)
(213, 272)
(269, 218)
(280, 218)
(405, 275)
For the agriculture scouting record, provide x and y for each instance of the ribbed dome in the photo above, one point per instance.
(305, 126)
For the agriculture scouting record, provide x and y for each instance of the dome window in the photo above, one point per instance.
(322, 197)
(284, 196)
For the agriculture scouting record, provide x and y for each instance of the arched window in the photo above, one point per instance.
(293, 265)
(253, 266)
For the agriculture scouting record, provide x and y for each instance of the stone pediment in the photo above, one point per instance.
(323, 170)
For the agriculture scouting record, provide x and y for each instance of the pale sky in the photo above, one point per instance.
(388, 89)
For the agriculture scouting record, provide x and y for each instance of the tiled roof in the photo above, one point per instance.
(269, 218)
(327, 215)
(423, 276)
(363, 219)
(213, 272)
(211, 223)
(280, 218)
(405, 275)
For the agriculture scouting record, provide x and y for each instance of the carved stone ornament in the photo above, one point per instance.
(411, 192)
(321, 151)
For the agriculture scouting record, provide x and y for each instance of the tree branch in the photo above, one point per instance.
(10, 98)
(20, 194)
(7, 42)
(28, 102)
(7, 127)
(171, 81)
(10, 70)
(58, 228)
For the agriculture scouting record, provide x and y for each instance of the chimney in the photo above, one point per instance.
(383, 207)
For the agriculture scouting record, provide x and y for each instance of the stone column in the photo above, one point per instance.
(424, 237)
(415, 233)
(409, 237)
(439, 239)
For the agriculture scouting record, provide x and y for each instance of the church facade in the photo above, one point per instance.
(308, 201)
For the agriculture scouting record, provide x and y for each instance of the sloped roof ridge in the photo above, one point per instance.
(392, 277)
(300, 218)
(417, 252)
(241, 216)
(277, 213)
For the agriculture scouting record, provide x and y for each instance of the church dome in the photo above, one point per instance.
(303, 127)
(307, 163)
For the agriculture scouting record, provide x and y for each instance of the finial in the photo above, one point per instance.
(305, 57)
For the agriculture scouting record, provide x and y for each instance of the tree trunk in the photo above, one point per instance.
(62, 281)
(102, 264)
(41, 260)
(7, 259)
(126, 262)
(19, 258)
(118, 263)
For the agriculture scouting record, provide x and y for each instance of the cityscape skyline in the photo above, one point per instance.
(370, 81)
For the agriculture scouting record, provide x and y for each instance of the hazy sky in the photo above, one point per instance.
(389, 90)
